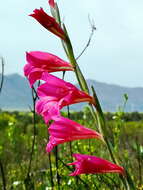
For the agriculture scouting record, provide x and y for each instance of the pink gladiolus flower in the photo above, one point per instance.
(64, 130)
(39, 62)
(86, 164)
(55, 94)
(48, 22)
(52, 3)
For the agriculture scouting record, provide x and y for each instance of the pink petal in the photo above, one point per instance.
(53, 142)
(68, 129)
(87, 164)
(60, 88)
(49, 109)
(40, 63)
(47, 61)
(64, 130)
(35, 75)
(27, 69)
(53, 113)
(63, 93)
(54, 91)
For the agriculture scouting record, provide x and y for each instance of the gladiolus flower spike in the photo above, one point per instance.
(48, 22)
(39, 62)
(54, 94)
(64, 130)
(86, 164)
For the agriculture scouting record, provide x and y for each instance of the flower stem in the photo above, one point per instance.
(2, 74)
(28, 182)
(51, 172)
(57, 167)
(34, 131)
(3, 175)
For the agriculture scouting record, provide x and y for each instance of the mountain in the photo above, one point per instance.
(16, 95)
(111, 96)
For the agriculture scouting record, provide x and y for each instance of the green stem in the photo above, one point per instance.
(34, 132)
(2, 74)
(70, 143)
(28, 182)
(3, 175)
(51, 172)
(72, 59)
(57, 167)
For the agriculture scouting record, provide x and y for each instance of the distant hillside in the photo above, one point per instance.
(16, 95)
(111, 96)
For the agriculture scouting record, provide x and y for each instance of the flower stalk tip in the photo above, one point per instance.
(52, 3)
(48, 22)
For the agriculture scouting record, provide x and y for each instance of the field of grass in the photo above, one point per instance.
(37, 170)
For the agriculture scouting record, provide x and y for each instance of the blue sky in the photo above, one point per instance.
(115, 54)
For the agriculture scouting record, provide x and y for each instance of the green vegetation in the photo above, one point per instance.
(125, 132)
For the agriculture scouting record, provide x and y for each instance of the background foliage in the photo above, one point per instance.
(16, 132)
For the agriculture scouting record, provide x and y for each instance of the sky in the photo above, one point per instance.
(115, 54)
